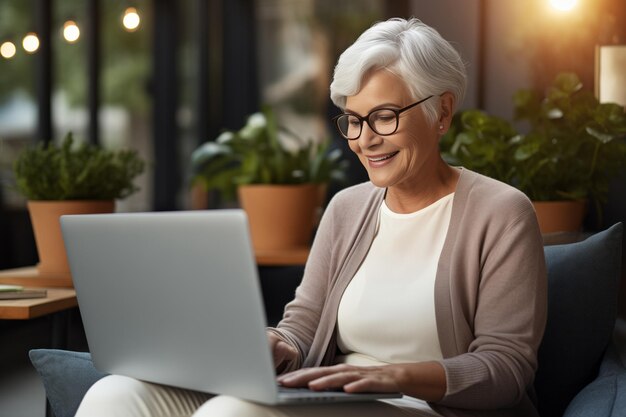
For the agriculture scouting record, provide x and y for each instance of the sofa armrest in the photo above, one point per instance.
(66, 377)
(606, 395)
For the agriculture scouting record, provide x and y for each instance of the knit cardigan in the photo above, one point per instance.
(490, 293)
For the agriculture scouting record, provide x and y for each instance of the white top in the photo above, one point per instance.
(387, 312)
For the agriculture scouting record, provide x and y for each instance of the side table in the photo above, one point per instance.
(56, 304)
(57, 300)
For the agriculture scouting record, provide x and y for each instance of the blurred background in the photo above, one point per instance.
(165, 76)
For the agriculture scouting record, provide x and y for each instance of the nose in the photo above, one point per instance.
(368, 137)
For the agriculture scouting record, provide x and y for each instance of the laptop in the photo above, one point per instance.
(174, 298)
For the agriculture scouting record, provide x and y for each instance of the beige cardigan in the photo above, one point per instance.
(490, 293)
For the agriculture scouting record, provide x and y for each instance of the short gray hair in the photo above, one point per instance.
(413, 51)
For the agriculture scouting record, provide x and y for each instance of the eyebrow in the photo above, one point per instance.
(378, 107)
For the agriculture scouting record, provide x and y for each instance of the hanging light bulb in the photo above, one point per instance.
(30, 43)
(71, 32)
(131, 19)
(563, 5)
(8, 50)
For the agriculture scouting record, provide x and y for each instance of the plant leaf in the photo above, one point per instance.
(602, 137)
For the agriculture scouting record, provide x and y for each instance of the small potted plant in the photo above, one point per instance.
(280, 187)
(70, 179)
(574, 147)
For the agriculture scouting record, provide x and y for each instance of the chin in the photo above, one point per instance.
(379, 182)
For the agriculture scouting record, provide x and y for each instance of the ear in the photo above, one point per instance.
(446, 110)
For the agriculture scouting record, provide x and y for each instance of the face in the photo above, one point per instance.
(409, 155)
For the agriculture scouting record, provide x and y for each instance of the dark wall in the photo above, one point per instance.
(17, 243)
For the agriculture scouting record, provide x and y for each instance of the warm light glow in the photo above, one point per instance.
(30, 43)
(7, 50)
(563, 5)
(71, 32)
(131, 19)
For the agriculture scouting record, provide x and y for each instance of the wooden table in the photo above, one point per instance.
(57, 299)
(30, 277)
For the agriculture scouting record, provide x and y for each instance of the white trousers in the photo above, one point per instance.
(120, 396)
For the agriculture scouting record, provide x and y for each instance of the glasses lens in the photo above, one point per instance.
(349, 126)
(384, 122)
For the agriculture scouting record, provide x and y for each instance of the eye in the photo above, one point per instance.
(384, 116)
(354, 122)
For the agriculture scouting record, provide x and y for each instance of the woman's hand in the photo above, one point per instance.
(282, 352)
(347, 377)
(425, 380)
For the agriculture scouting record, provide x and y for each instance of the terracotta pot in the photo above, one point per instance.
(560, 216)
(280, 216)
(44, 216)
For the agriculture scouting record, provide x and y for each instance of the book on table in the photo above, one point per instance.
(15, 292)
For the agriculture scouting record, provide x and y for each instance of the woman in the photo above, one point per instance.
(429, 279)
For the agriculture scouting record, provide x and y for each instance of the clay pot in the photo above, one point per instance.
(560, 216)
(281, 217)
(44, 216)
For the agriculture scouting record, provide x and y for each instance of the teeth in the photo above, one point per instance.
(383, 157)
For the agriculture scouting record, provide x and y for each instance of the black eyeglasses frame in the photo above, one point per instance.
(367, 117)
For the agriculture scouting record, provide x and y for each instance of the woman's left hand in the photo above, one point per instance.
(347, 377)
(425, 380)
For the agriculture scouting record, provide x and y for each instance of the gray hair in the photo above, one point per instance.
(413, 51)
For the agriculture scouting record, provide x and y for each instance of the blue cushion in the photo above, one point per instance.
(583, 282)
(66, 377)
(601, 398)
(604, 397)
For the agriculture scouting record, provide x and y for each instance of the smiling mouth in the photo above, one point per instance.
(383, 158)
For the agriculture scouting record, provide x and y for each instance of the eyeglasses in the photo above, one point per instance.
(382, 121)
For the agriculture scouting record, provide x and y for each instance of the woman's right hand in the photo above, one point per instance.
(282, 352)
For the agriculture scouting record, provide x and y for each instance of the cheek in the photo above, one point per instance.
(354, 146)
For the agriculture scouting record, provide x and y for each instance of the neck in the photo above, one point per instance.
(409, 199)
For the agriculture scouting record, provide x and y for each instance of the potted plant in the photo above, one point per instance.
(280, 187)
(70, 179)
(573, 148)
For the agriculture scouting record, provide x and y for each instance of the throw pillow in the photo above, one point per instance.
(605, 396)
(583, 282)
(66, 377)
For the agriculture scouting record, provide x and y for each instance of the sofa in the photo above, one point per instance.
(581, 372)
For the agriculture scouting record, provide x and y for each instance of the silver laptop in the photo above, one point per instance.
(174, 298)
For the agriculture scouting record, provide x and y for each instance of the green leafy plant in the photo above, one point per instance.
(574, 147)
(83, 172)
(482, 143)
(256, 155)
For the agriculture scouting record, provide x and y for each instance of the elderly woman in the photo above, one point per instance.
(428, 280)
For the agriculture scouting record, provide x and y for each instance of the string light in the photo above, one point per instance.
(8, 50)
(30, 43)
(131, 19)
(71, 32)
(563, 5)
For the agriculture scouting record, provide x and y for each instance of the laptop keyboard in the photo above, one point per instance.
(307, 395)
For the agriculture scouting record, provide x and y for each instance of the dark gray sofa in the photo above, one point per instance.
(580, 371)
